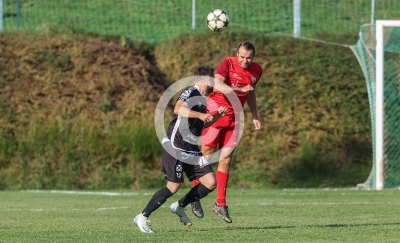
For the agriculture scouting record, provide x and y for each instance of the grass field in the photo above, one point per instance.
(288, 215)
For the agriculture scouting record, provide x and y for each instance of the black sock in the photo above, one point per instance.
(194, 194)
(156, 201)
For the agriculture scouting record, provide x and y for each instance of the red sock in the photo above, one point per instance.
(195, 182)
(222, 184)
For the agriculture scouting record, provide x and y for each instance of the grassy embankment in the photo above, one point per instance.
(77, 112)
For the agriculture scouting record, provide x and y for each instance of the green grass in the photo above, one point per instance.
(163, 19)
(288, 215)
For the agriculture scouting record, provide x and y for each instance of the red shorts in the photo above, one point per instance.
(223, 133)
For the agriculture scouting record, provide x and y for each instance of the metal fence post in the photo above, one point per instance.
(193, 14)
(1, 15)
(296, 18)
(19, 5)
(372, 11)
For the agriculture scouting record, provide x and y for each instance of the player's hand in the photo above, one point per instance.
(257, 124)
(247, 89)
(222, 110)
(205, 117)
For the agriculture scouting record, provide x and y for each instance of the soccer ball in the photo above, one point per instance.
(217, 20)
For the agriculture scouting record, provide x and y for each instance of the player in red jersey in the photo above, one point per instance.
(242, 75)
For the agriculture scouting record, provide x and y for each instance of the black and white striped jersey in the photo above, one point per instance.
(185, 132)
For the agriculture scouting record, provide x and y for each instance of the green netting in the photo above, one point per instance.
(158, 20)
(392, 109)
(365, 53)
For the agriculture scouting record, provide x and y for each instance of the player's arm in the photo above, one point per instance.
(251, 102)
(181, 109)
(220, 86)
(222, 110)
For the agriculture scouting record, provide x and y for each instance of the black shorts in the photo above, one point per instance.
(173, 168)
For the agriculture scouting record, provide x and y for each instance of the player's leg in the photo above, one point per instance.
(209, 136)
(195, 182)
(200, 191)
(222, 174)
(207, 184)
(158, 199)
(179, 210)
(172, 169)
(197, 209)
(228, 141)
(188, 167)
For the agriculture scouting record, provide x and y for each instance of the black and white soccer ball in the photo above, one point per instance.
(217, 20)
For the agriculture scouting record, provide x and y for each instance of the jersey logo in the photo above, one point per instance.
(185, 95)
(235, 85)
(192, 138)
(178, 168)
(235, 75)
(253, 79)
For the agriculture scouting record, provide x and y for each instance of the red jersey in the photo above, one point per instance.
(235, 76)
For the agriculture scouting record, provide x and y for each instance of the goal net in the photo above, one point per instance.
(378, 52)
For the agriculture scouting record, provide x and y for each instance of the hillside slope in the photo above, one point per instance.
(79, 110)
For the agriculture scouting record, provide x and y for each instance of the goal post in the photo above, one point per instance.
(378, 52)
(380, 108)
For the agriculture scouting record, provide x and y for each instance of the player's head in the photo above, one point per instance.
(245, 53)
(204, 76)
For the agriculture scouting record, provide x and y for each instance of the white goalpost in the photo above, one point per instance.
(378, 52)
(379, 99)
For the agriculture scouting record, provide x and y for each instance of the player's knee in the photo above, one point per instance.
(225, 161)
(209, 181)
(173, 187)
(211, 185)
(207, 150)
(173, 191)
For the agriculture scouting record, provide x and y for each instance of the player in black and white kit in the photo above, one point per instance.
(182, 136)
(181, 153)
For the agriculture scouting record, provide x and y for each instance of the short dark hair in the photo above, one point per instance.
(247, 46)
(204, 71)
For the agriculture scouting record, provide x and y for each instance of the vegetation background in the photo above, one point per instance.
(77, 111)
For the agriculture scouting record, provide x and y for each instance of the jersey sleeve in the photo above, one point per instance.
(259, 70)
(223, 68)
(185, 95)
(258, 79)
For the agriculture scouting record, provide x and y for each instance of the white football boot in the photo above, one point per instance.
(142, 223)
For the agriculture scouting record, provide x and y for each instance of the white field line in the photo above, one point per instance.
(112, 194)
(237, 204)
(116, 208)
(86, 209)
(20, 210)
(336, 189)
(112, 208)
